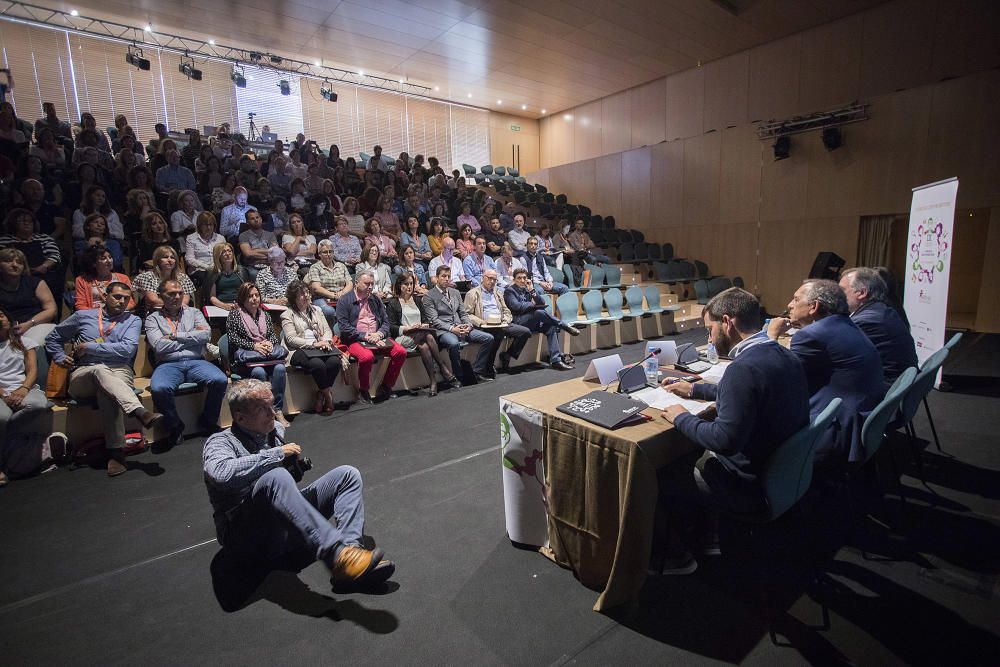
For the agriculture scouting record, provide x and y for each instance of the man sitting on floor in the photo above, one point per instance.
(443, 310)
(486, 308)
(261, 514)
(760, 401)
(538, 270)
(867, 297)
(529, 311)
(840, 362)
(104, 341)
(177, 337)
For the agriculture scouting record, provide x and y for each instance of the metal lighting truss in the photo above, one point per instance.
(853, 113)
(21, 12)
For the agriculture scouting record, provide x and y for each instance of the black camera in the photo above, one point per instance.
(298, 466)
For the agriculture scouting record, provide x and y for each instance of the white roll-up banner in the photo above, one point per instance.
(521, 447)
(928, 264)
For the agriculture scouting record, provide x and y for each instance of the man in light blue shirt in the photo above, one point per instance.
(177, 337)
(538, 270)
(519, 236)
(173, 175)
(104, 342)
(478, 262)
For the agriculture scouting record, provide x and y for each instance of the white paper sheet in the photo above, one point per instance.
(714, 374)
(215, 311)
(659, 398)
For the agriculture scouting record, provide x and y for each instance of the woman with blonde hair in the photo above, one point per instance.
(165, 267)
(223, 280)
(199, 244)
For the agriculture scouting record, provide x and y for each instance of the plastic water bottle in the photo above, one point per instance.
(711, 354)
(651, 366)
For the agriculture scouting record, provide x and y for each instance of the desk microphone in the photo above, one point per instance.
(633, 377)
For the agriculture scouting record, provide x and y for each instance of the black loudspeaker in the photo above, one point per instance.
(827, 266)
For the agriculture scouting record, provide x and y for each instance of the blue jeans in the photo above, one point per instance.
(277, 517)
(557, 288)
(328, 311)
(168, 376)
(277, 374)
(483, 362)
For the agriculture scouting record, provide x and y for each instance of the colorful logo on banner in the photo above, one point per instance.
(929, 248)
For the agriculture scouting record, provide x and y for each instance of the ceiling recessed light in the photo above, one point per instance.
(437, 87)
(499, 102)
(543, 111)
(567, 116)
(469, 96)
(212, 42)
(74, 13)
(402, 81)
(319, 63)
(524, 107)
(148, 28)
(361, 73)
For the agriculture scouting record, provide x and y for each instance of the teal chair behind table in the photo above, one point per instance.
(558, 275)
(226, 358)
(915, 395)
(718, 285)
(592, 303)
(568, 306)
(785, 478)
(634, 297)
(613, 302)
(950, 345)
(701, 291)
(596, 275)
(570, 279)
(612, 275)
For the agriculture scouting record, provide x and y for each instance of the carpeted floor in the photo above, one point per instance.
(126, 570)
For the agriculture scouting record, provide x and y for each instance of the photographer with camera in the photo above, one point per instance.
(251, 475)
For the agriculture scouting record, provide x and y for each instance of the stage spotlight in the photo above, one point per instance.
(782, 147)
(134, 58)
(238, 77)
(275, 60)
(256, 56)
(188, 70)
(328, 93)
(286, 88)
(832, 138)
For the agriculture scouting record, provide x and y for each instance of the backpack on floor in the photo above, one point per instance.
(26, 454)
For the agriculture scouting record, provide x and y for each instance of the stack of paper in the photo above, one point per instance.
(659, 398)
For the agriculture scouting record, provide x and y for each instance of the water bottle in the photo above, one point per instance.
(651, 366)
(711, 354)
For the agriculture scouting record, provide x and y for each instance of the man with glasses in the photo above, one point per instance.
(177, 337)
(104, 343)
(486, 308)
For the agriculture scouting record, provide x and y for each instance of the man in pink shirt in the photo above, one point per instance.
(364, 327)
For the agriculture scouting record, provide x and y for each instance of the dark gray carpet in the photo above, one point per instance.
(100, 570)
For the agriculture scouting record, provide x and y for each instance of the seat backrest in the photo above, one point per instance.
(638, 236)
(922, 384)
(788, 471)
(627, 251)
(224, 352)
(592, 302)
(499, 171)
(873, 431)
(487, 169)
(613, 302)
(633, 297)
(569, 307)
(609, 222)
(738, 282)
(652, 298)
(953, 341)
(557, 274)
(641, 251)
(701, 268)
(570, 278)
(685, 270)
(701, 291)
(596, 274)
(612, 275)
(468, 169)
(717, 285)
(655, 251)
(662, 271)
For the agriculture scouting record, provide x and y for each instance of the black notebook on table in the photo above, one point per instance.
(606, 409)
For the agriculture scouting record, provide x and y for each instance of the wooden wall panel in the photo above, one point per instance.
(736, 252)
(648, 110)
(967, 35)
(545, 143)
(833, 186)
(739, 178)
(788, 248)
(830, 67)
(607, 198)
(894, 47)
(685, 104)
(988, 316)
(635, 175)
(783, 183)
(727, 83)
(893, 140)
(587, 131)
(702, 157)
(774, 79)
(964, 137)
(666, 188)
(616, 123)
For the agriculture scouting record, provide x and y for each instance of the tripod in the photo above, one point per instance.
(253, 134)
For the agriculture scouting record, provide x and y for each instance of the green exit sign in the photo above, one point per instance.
(515, 128)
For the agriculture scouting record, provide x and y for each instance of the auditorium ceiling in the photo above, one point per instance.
(517, 56)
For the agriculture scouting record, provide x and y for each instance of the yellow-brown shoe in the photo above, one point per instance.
(353, 563)
(116, 467)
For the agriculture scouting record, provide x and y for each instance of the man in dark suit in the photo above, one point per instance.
(529, 311)
(867, 300)
(840, 362)
(444, 311)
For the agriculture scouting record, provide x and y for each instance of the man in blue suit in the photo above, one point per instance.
(867, 297)
(840, 362)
